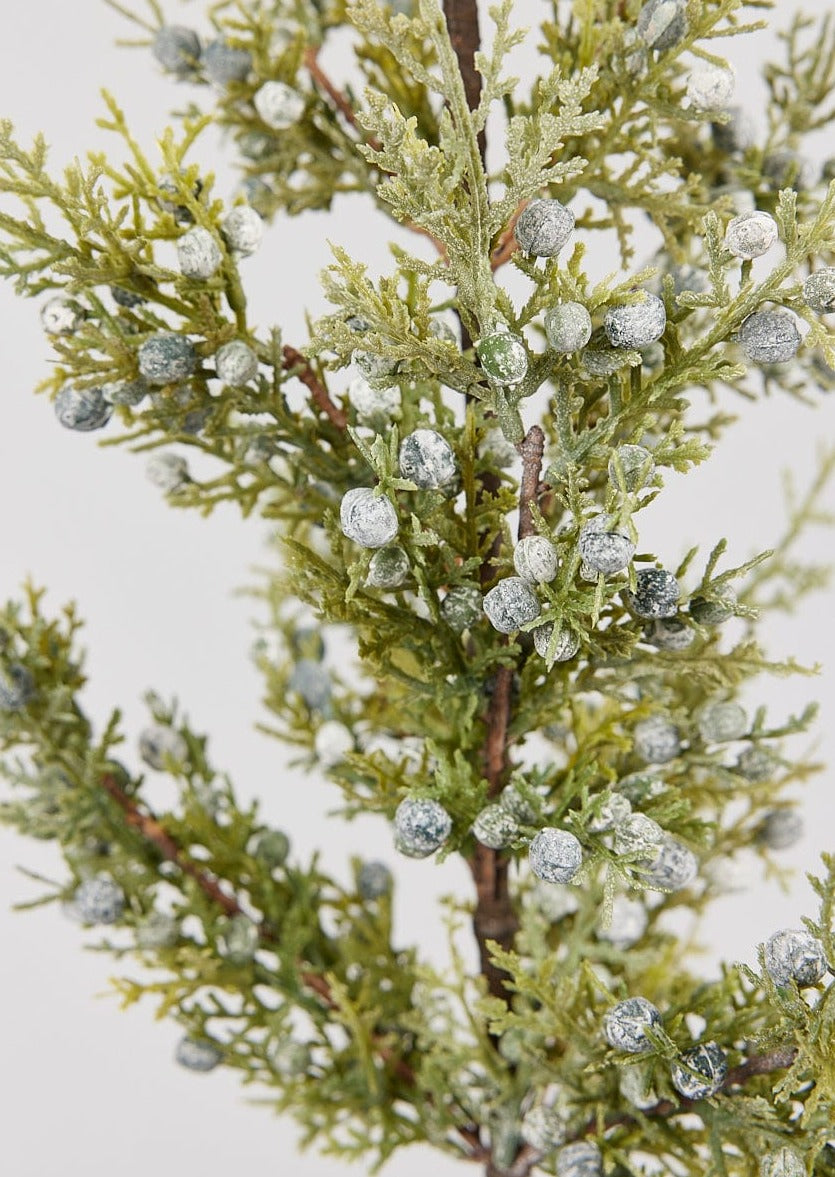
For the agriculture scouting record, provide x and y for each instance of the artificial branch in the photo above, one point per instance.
(300, 366)
(465, 37)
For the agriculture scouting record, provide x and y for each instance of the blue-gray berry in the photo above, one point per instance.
(270, 847)
(224, 64)
(511, 604)
(17, 687)
(636, 325)
(555, 855)
(751, 235)
(369, 520)
(625, 1024)
(535, 559)
(198, 254)
(166, 358)
(794, 954)
(421, 826)
(237, 939)
(669, 633)
(581, 1159)
(378, 370)
(720, 722)
(562, 649)
(711, 87)
(374, 880)
(197, 1054)
(543, 228)
(638, 835)
(82, 409)
(61, 317)
(662, 24)
(770, 337)
(373, 405)
(700, 1071)
(236, 363)
(177, 49)
(278, 105)
(716, 609)
(503, 357)
(462, 607)
(656, 594)
(780, 828)
(673, 867)
(242, 229)
(99, 901)
(819, 290)
(495, 827)
(656, 740)
(312, 681)
(160, 746)
(602, 548)
(125, 392)
(389, 568)
(428, 460)
(631, 467)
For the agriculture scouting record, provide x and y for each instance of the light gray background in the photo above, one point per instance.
(83, 1088)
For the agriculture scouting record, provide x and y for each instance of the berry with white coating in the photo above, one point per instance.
(177, 49)
(751, 235)
(793, 954)
(421, 826)
(427, 459)
(225, 64)
(495, 827)
(710, 1064)
(169, 472)
(242, 229)
(770, 337)
(656, 594)
(198, 254)
(637, 324)
(631, 467)
(389, 568)
(662, 24)
(196, 1054)
(603, 549)
(369, 520)
(555, 855)
(568, 327)
(544, 227)
(503, 357)
(82, 409)
(511, 604)
(625, 1024)
(565, 647)
(236, 363)
(535, 559)
(656, 740)
(166, 358)
(819, 290)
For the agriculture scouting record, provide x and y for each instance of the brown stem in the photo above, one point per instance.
(531, 450)
(462, 25)
(507, 244)
(337, 97)
(295, 359)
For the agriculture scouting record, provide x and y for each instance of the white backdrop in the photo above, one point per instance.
(86, 1089)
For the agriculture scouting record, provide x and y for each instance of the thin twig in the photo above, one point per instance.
(337, 97)
(507, 244)
(295, 360)
(531, 450)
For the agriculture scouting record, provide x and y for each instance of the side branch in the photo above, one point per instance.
(295, 360)
(531, 450)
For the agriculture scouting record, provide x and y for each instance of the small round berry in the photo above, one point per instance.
(736, 134)
(780, 828)
(581, 1159)
(495, 827)
(639, 787)
(715, 610)
(158, 930)
(60, 317)
(662, 24)
(377, 370)
(462, 607)
(126, 298)
(656, 594)
(555, 855)
(278, 105)
(784, 168)
(389, 568)
(672, 868)
(511, 604)
(311, 680)
(82, 409)
(125, 392)
(242, 229)
(503, 357)
(224, 64)
(369, 520)
(819, 290)
(198, 254)
(161, 746)
(427, 459)
(632, 53)
(543, 1128)
(421, 826)
(270, 847)
(236, 363)
(518, 805)
(237, 939)
(535, 559)
(635, 1085)
(710, 1064)
(628, 923)
(374, 880)
(782, 1162)
(555, 900)
(177, 49)
(331, 743)
(625, 1025)
(656, 740)
(720, 722)
(289, 1059)
(794, 954)
(770, 337)
(166, 358)
(374, 406)
(631, 467)
(543, 228)
(167, 471)
(638, 835)
(711, 87)
(99, 901)
(611, 809)
(568, 327)
(757, 763)
(17, 687)
(669, 633)
(197, 1054)
(603, 549)
(636, 325)
(565, 647)
(751, 235)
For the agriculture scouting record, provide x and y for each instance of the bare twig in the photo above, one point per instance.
(507, 244)
(295, 360)
(531, 449)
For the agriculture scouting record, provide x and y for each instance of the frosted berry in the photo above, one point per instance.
(625, 1023)
(656, 740)
(237, 939)
(236, 363)
(503, 357)
(669, 633)
(377, 370)
(125, 392)
(369, 520)
(60, 317)
(770, 337)
(628, 923)
(736, 134)
(638, 835)
(662, 24)
(180, 212)
(98, 901)
(224, 64)
(535, 559)
(719, 722)
(673, 867)
(428, 460)
(289, 1058)
(656, 594)
(177, 49)
(197, 1054)
(441, 329)
(518, 805)
(794, 954)
(167, 471)
(166, 358)
(632, 53)
(389, 568)
(17, 687)
(421, 826)
(543, 1128)
(495, 827)
(160, 746)
(635, 1085)
(710, 1065)
(270, 847)
(780, 828)
(462, 607)
(751, 235)
(568, 327)
(711, 87)
(126, 298)
(640, 786)
(782, 1162)
(497, 450)
(242, 229)
(331, 743)
(198, 254)
(311, 680)
(374, 880)
(581, 1159)
(555, 855)
(631, 467)
(278, 105)
(565, 647)
(543, 228)
(757, 763)
(82, 409)
(511, 604)
(637, 324)
(784, 168)
(374, 406)
(819, 290)
(158, 930)
(602, 548)
(714, 610)
(608, 812)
